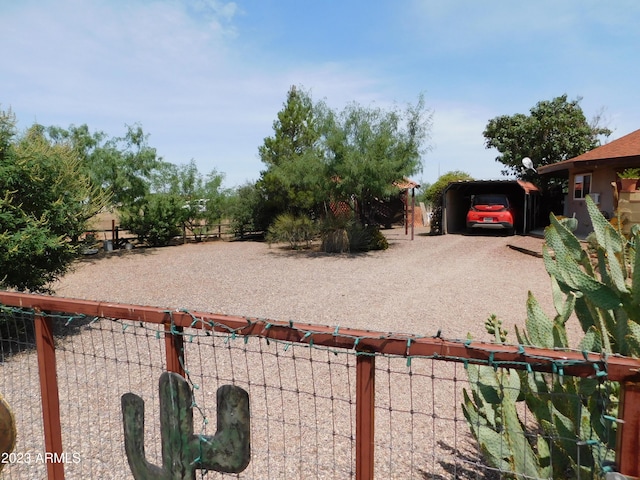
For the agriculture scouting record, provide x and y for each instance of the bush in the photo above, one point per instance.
(378, 241)
(295, 230)
(46, 199)
(244, 210)
(345, 234)
(156, 219)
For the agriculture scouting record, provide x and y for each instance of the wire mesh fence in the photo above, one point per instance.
(304, 396)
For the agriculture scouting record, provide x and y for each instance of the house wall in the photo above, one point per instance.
(601, 179)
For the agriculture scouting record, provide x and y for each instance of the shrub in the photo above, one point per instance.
(156, 219)
(295, 230)
(345, 234)
(378, 241)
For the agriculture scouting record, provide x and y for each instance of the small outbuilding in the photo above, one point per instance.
(523, 196)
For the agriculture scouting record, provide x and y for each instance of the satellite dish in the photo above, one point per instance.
(528, 164)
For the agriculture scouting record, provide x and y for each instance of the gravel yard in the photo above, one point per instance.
(302, 400)
(449, 283)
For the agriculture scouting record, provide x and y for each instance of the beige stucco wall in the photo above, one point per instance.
(601, 179)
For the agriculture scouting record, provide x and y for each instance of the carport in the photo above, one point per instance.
(456, 198)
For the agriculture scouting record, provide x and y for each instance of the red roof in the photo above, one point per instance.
(406, 184)
(622, 148)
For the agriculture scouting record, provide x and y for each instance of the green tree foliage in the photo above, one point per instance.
(554, 130)
(244, 205)
(47, 200)
(294, 178)
(368, 149)
(156, 219)
(317, 155)
(433, 194)
(123, 166)
(203, 196)
(179, 196)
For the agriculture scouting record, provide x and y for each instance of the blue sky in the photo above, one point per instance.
(206, 78)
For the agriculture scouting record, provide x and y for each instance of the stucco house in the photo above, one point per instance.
(595, 173)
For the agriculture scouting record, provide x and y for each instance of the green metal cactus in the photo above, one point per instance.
(601, 284)
(182, 451)
(7, 430)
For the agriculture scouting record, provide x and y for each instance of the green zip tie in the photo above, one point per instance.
(335, 332)
(408, 361)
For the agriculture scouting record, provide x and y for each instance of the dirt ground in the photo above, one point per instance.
(450, 283)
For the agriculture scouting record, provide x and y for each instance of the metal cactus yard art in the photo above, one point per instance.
(183, 452)
(7, 430)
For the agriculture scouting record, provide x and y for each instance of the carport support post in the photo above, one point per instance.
(406, 211)
(526, 206)
(413, 211)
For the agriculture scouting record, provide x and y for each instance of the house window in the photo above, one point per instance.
(581, 185)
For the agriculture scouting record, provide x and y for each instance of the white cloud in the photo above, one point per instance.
(458, 143)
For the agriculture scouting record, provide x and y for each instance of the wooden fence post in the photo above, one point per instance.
(49, 394)
(628, 442)
(365, 415)
(174, 345)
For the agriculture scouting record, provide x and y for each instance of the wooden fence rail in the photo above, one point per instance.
(367, 343)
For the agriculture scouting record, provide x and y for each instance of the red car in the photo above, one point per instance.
(490, 211)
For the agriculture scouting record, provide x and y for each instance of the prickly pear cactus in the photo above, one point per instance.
(182, 451)
(7, 429)
(601, 285)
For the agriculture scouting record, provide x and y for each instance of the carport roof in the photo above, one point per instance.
(528, 187)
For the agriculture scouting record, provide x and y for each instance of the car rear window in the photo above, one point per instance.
(490, 200)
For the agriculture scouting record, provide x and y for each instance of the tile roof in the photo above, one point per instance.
(623, 147)
(406, 184)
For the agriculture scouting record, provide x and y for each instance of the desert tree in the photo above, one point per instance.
(46, 203)
(553, 131)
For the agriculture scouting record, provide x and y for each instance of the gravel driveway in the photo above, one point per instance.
(302, 406)
(449, 283)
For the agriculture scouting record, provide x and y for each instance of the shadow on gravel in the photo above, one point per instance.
(102, 255)
(17, 330)
(466, 466)
(312, 252)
